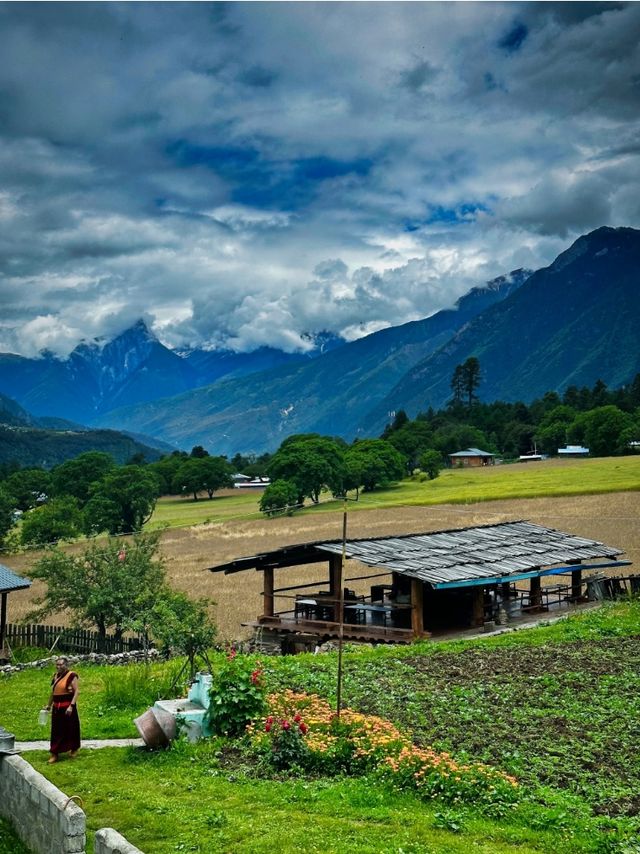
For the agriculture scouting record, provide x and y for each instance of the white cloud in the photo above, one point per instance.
(242, 174)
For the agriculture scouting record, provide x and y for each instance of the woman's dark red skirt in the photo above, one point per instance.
(65, 729)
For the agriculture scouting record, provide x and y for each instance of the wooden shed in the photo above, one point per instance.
(425, 582)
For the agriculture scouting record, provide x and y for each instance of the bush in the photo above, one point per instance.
(279, 497)
(237, 695)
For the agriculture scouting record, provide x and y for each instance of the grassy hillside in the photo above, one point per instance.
(546, 479)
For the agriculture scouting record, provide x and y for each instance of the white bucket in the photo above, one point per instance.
(43, 717)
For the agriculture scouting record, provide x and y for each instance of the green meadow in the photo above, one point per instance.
(546, 479)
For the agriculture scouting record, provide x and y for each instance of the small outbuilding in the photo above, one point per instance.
(472, 457)
(573, 451)
(9, 582)
(423, 583)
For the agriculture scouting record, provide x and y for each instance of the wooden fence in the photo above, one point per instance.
(80, 641)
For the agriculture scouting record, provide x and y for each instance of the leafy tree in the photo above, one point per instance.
(281, 496)
(29, 487)
(122, 501)
(431, 463)
(412, 439)
(166, 468)
(6, 513)
(199, 452)
(75, 477)
(217, 474)
(104, 586)
(311, 462)
(371, 462)
(551, 433)
(59, 519)
(177, 623)
(456, 437)
(603, 430)
(203, 474)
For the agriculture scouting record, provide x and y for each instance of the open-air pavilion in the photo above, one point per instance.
(427, 582)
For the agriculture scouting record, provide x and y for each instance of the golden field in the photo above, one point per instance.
(189, 551)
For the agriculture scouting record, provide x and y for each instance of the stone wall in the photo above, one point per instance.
(134, 657)
(109, 841)
(46, 820)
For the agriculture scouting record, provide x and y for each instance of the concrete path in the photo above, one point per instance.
(89, 744)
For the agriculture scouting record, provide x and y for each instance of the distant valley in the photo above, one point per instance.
(571, 323)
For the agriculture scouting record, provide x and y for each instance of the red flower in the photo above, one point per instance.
(255, 676)
(286, 725)
(303, 727)
(267, 726)
(297, 718)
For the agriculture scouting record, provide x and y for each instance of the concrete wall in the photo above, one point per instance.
(42, 816)
(109, 841)
(46, 820)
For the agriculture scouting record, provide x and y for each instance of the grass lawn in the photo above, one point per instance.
(558, 706)
(547, 478)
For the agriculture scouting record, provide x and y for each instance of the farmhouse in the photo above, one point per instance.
(425, 583)
(472, 457)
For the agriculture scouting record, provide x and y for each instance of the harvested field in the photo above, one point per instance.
(611, 518)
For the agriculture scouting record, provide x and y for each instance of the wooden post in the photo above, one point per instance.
(3, 619)
(268, 591)
(576, 584)
(335, 583)
(477, 608)
(535, 593)
(417, 613)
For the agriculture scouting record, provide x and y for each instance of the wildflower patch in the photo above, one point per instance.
(303, 730)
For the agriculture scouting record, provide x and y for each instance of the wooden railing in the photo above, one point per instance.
(61, 639)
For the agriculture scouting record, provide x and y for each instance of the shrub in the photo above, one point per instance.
(237, 695)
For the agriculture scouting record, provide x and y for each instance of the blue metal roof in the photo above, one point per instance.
(10, 581)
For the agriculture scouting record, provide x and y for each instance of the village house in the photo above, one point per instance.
(472, 457)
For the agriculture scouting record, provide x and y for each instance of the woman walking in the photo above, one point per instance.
(65, 723)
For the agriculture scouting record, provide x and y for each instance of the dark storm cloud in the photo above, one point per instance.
(246, 173)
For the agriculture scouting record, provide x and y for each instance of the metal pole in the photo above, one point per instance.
(341, 608)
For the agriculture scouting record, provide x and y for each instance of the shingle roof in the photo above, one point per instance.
(10, 581)
(447, 557)
(485, 552)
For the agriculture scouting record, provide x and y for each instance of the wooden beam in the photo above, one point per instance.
(477, 607)
(576, 585)
(417, 613)
(268, 592)
(535, 592)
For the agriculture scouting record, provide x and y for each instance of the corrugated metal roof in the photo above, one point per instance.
(10, 581)
(486, 552)
(446, 557)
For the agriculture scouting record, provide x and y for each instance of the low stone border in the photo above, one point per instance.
(47, 820)
(133, 657)
(109, 841)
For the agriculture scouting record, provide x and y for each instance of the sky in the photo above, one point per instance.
(252, 174)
